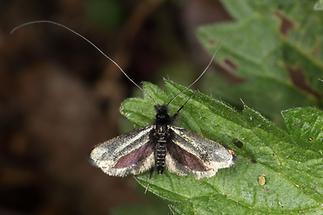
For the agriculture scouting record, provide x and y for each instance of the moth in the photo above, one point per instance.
(158, 146)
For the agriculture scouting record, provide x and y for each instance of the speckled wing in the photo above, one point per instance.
(130, 153)
(191, 154)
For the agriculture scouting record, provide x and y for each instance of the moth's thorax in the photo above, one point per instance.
(161, 133)
(162, 116)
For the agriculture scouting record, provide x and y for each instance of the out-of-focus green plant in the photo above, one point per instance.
(274, 50)
(104, 14)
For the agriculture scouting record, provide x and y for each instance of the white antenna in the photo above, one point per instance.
(199, 77)
(84, 38)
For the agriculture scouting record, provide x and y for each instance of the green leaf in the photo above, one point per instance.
(152, 206)
(145, 204)
(105, 14)
(139, 209)
(318, 5)
(276, 48)
(292, 171)
(305, 125)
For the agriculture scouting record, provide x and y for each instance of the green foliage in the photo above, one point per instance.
(139, 209)
(318, 5)
(277, 49)
(291, 161)
(152, 206)
(104, 14)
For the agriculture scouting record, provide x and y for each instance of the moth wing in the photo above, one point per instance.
(193, 154)
(130, 153)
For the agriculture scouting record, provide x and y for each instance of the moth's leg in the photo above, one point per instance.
(160, 170)
(151, 172)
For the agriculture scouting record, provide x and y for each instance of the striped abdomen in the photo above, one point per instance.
(160, 148)
(160, 154)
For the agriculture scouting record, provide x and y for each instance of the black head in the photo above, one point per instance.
(162, 116)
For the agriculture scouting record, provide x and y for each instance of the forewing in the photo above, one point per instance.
(193, 154)
(130, 153)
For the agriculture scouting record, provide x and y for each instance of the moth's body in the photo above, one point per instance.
(161, 135)
(161, 146)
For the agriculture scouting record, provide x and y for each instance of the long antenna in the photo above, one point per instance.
(84, 38)
(199, 77)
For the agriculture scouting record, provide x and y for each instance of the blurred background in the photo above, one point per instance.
(59, 97)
